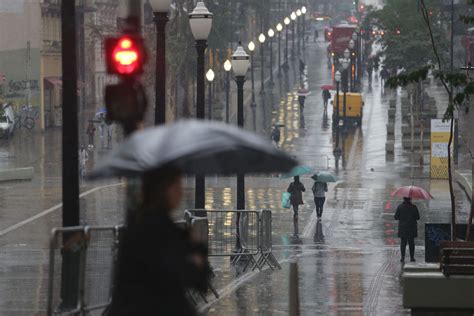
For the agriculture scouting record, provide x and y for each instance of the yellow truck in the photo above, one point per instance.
(354, 107)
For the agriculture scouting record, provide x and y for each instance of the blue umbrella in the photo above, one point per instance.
(324, 176)
(297, 171)
(101, 111)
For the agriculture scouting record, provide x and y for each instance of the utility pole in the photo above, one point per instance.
(70, 153)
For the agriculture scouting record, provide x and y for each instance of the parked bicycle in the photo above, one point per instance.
(26, 118)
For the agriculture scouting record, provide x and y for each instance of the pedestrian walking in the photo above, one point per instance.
(296, 190)
(91, 134)
(326, 98)
(158, 261)
(316, 35)
(83, 158)
(319, 192)
(407, 216)
(301, 101)
(276, 135)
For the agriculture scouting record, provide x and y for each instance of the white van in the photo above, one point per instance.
(7, 121)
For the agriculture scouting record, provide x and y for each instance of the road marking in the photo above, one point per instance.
(310, 225)
(353, 149)
(52, 209)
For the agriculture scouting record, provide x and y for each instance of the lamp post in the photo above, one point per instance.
(227, 68)
(200, 21)
(261, 39)
(337, 77)
(345, 65)
(351, 57)
(293, 18)
(298, 30)
(337, 150)
(271, 34)
(251, 48)
(303, 11)
(210, 78)
(279, 28)
(287, 22)
(240, 64)
(160, 12)
(355, 37)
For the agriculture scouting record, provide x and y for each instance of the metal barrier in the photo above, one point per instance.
(96, 249)
(266, 254)
(244, 236)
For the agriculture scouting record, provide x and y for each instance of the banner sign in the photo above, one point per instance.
(440, 132)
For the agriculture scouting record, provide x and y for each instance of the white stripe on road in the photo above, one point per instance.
(353, 149)
(52, 209)
(310, 225)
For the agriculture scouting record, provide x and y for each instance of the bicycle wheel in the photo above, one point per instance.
(29, 123)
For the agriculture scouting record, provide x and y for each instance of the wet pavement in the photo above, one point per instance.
(348, 261)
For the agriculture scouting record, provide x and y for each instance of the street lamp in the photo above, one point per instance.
(287, 22)
(251, 48)
(351, 52)
(279, 28)
(227, 68)
(240, 64)
(200, 21)
(271, 34)
(210, 78)
(303, 11)
(298, 30)
(345, 65)
(160, 12)
(293, 18)
(337, 77)
(337, 150)
(262, 39)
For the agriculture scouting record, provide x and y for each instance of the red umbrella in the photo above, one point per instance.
(304, 92)
(327, 87)
(412, 192)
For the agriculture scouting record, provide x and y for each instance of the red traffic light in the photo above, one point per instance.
(125, 55)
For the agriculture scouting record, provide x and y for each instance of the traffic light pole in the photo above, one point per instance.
(161, 18)
(70, 153)
(201, 45)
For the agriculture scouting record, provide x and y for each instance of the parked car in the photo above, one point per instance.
(7, 121)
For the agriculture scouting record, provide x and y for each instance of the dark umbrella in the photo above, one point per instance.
(194, 147)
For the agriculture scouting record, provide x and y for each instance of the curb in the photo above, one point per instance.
(464, 183)
(16, 174)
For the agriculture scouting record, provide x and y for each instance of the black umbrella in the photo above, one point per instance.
(194, 147)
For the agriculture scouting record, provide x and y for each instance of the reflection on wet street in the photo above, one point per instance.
(349, 260)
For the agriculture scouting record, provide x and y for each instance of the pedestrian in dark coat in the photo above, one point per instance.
(296, 189)
(158, 261)
(407, 216)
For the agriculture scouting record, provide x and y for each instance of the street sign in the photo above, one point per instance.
(440, 133)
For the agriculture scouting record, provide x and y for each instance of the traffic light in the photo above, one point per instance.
(126, 101)
(125, 55)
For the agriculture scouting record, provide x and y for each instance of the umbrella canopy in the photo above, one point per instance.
(324, 176)
(304, 92)
(412, 192)
(194, 147)
(101, 111)
(297, 171)
(327, 87)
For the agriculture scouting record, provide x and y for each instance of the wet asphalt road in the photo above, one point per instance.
(348, 262)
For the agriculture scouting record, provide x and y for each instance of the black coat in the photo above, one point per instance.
(155, 269)
(296, 189)
(407, 214)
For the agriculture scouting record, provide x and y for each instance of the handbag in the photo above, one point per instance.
(285, 200)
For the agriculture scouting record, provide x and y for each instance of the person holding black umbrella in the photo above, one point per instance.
(158, 261)
(407, 216)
